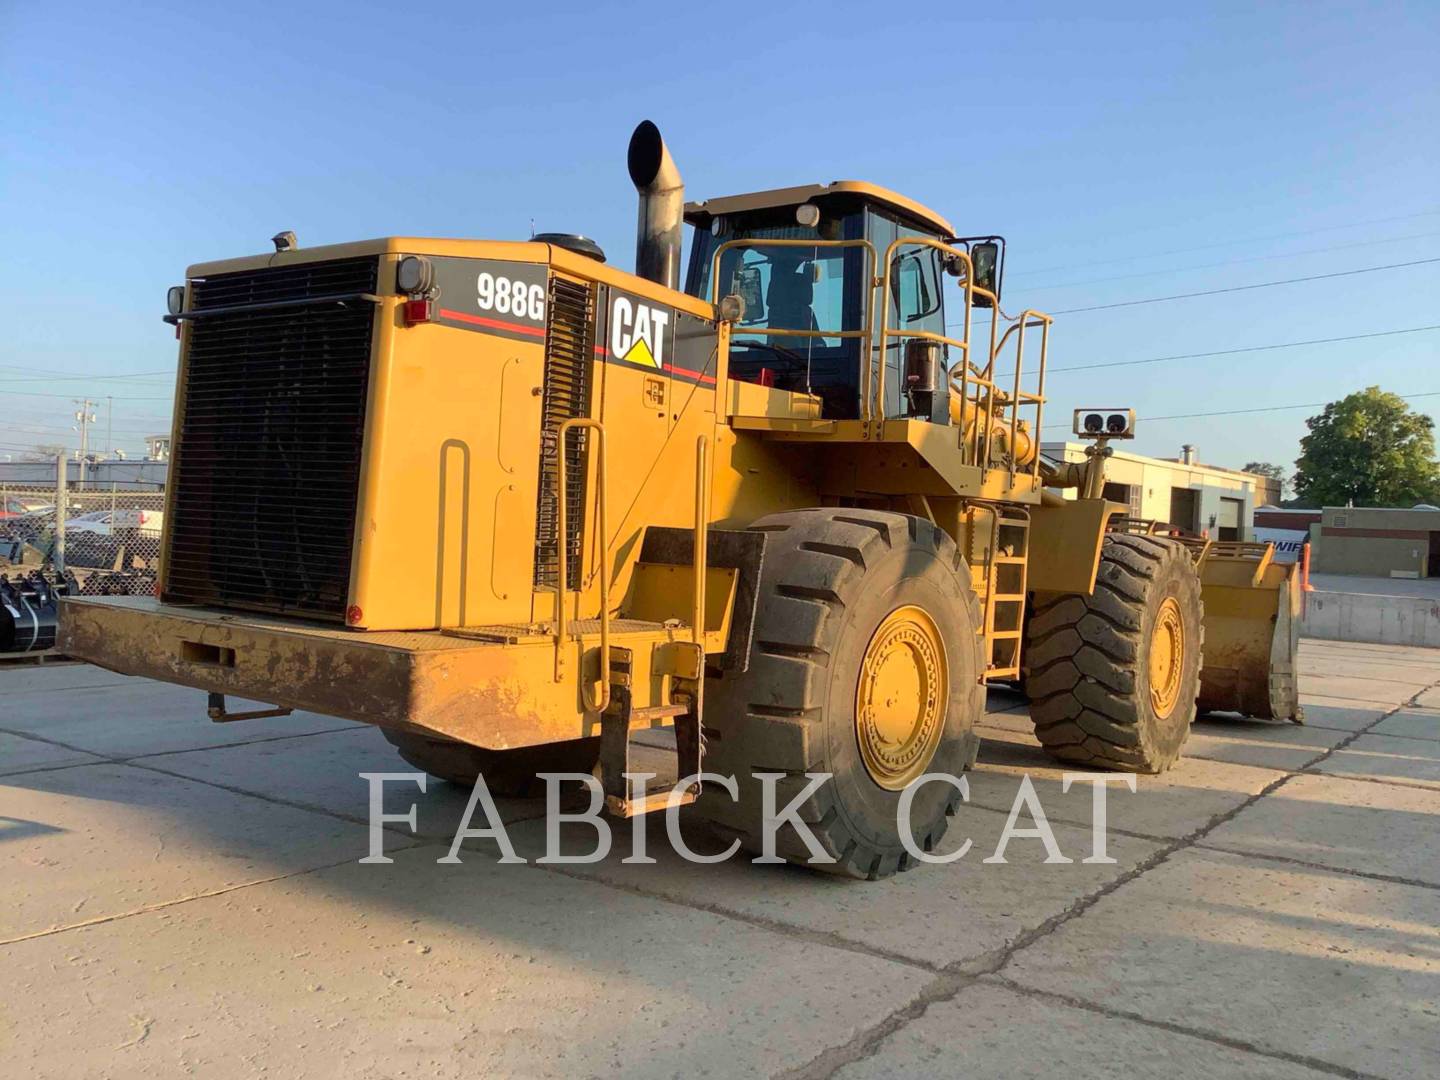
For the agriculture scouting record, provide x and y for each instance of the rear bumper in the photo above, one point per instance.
(481, 693)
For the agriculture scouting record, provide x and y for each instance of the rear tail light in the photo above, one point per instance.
(418, 311)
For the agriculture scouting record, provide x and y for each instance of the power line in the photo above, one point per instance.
(1244, 288)
(1263, 409)
(1245, 349)
(118, 397)
(138, 377)
(60, 429)
(1228, 243)
(117, 375)
(1231, 262)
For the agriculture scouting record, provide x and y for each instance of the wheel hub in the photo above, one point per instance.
(1167, 657)
(901, 697)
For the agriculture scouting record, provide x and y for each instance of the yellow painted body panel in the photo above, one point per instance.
(1065, 544)
(447, 497)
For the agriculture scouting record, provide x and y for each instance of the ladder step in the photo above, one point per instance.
(645, 717)
(646, 804)
(1005, 635)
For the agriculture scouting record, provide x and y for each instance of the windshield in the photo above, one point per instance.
(815, 289)
(784, 287)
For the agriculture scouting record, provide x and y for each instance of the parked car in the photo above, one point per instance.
(105, 522)
(12, 506)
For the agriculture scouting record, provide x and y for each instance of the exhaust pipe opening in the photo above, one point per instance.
(662, 206)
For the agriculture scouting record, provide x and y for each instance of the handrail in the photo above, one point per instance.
(969, 372)
(702, 533)
(601, 703)
(963, 344)
(867, 333)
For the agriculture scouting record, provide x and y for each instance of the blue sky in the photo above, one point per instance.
(1126, 151)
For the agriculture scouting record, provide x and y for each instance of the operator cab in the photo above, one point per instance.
(807, 307)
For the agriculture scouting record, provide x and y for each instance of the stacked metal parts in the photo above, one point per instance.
(28, 615)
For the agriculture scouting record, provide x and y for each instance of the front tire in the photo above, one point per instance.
(1113, 676)
(865, 665)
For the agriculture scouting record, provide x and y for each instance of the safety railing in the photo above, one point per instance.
(601, 702)
(865, 334)
(988, 401)
(702, 533)
(993, 408)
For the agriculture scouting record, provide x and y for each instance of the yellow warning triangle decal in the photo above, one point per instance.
(640, 354)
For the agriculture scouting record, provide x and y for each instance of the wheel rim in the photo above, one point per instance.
(901, 696)
(1167, 657)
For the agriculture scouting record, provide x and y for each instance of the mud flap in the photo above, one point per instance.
(1252, 633)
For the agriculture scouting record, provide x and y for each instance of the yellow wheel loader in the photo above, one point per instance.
(513, 505)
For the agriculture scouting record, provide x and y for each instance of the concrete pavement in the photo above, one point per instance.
(180, 896)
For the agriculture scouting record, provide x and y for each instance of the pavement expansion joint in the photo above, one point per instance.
(1317, 1064)
(822, 938)
(1390, 879)
(990, 966)
(868, 1042)
(1383, 781)
(204, 895)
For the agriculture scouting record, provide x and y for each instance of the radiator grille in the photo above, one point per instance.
(569, 333)
(267, 467)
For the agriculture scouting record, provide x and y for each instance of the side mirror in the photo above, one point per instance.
(985, 257)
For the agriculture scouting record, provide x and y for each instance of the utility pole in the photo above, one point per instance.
(86, 418)
(62, 466)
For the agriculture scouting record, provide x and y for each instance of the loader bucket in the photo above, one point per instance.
(1252, 631)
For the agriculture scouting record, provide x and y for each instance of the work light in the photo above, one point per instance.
(414, 274)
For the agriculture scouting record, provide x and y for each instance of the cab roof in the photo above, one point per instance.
(701, 214)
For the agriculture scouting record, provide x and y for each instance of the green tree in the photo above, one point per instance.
(1368, 449)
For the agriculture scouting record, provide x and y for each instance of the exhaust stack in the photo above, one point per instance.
(662, 206)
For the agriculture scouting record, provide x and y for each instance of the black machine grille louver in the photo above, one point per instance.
(266, 471)
(569, 337)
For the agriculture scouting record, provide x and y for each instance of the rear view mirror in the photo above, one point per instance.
(985, 257)
(747, 285)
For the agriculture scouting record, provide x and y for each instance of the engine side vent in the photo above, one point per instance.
(266, 471)
(569, 334)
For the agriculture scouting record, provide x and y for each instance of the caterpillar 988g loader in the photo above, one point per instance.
(511, 505)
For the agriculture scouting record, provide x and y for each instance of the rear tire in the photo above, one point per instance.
(507, 772)
(860, 612)
(1113, 677)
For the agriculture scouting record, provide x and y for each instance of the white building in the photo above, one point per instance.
(1198, 498)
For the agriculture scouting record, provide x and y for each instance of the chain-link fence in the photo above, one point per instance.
(109, 545)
